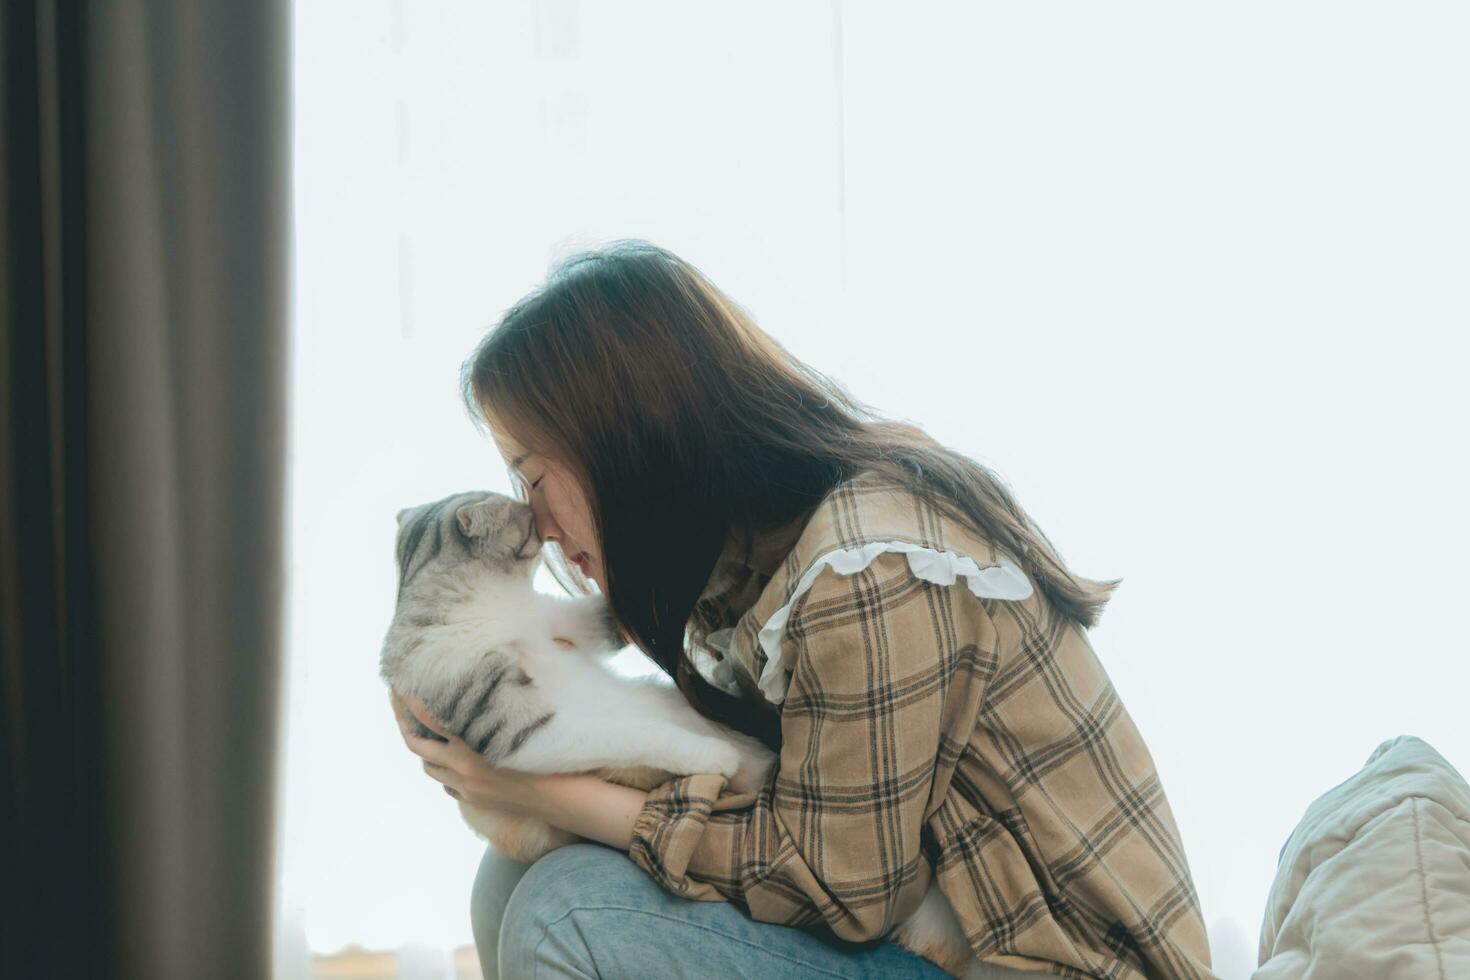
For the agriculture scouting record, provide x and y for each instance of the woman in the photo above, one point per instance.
(873, 605)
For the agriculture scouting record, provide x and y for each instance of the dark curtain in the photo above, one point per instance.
(144, 300)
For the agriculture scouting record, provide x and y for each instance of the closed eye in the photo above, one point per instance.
(538, 481)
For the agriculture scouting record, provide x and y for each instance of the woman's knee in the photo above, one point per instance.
(494, 883)
(568, 879)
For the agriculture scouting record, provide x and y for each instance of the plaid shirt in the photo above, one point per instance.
(927, 730)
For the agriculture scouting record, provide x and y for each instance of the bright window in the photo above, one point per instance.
(1190, 278)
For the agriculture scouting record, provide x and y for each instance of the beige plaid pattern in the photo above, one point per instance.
(929, 731)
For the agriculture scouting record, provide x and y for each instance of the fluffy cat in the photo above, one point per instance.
(477, 644)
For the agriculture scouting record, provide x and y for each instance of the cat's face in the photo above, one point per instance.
(478, 526)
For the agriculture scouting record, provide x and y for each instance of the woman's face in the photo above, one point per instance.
(562, 513)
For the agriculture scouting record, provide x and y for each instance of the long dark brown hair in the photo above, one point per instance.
(686, 423)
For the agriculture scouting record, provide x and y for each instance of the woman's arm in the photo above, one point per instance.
(590, 807)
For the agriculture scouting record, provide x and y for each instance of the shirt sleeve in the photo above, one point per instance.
(877, 692)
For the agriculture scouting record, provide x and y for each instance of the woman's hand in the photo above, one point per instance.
(465, 774)
(579, 804)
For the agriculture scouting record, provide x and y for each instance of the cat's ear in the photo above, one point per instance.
(402, 512)
(474, 519)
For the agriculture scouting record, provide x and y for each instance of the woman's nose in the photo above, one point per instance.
(546, 528)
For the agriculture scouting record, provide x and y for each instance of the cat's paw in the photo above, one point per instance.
(708, 755)
(756, 763)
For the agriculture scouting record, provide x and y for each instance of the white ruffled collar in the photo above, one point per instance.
(1000, 579)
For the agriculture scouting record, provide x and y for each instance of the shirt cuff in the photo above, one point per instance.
(668, 829)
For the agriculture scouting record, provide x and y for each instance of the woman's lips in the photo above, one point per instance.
(580, 560)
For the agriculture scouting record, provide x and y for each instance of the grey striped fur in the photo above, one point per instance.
(446, 550)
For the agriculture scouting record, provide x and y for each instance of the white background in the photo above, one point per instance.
(1192, 278)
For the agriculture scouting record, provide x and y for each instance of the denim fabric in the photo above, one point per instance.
(588, 911)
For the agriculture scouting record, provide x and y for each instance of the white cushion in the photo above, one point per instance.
(1375, 880)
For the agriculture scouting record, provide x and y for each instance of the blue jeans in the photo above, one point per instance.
(588, 911)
